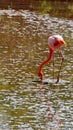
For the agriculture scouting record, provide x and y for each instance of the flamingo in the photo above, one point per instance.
(55, 42)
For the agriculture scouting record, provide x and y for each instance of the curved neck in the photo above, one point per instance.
(47, 60)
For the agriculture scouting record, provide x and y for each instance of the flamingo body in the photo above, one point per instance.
(55, 42)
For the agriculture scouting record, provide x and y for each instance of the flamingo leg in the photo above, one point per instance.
(53, 67)
(60, 66)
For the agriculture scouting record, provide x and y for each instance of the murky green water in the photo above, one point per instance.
(23, 46)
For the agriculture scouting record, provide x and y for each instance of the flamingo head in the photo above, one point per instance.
(40, 74)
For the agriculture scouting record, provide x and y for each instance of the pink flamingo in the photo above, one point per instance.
(54, 42)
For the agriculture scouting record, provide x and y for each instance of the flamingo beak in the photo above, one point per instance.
(40, 74)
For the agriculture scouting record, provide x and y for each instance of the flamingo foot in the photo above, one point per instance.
(57, 80)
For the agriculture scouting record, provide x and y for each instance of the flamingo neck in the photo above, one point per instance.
(47, 60)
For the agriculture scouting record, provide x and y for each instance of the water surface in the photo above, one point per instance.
(23, 46)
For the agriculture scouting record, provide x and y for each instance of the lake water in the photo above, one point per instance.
(23, 46)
